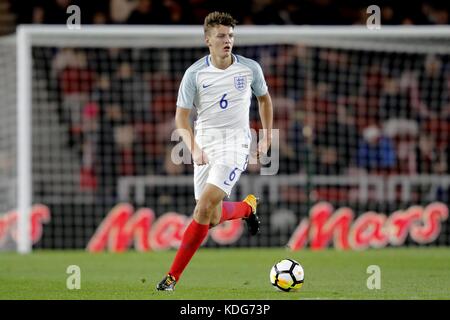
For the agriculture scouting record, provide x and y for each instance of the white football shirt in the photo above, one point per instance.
(222, 99)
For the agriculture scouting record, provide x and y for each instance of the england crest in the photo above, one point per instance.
(240, 82)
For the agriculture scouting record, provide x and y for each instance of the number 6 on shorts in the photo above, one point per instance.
(231, 176)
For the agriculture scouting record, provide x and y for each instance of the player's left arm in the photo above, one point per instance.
(266, 115)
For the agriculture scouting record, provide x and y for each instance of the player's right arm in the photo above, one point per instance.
(185, 102)
(182, 122)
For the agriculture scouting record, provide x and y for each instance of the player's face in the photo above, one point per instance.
(220, 41)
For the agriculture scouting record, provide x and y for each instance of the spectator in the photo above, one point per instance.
(430, 93)
(38, 15)
(322, 12)
(107, 154)
(443, 163)
(426, 155)
(376, 153)
(120, 10)
(403, 133)
(327, 161)
(294, 71)
(56, 12)
(326, 153)
(395, 100)
(300, 143)
(346, 133)
(149, 12)
(368, 98)
(333, 67)
(133, 94)
(100, 18)
(270, 13)
(75, 80)
(101, 93)
(292, 12)
(435, 13)
(198, 10)
(92, 12)
(177, 12)
(88, 179)
(281, 121)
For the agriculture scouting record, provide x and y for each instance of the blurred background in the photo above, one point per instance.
(363, 126)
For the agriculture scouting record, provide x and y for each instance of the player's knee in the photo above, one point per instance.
(204, 209)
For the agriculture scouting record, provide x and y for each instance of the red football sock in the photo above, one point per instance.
(235, 210)
(192, 239)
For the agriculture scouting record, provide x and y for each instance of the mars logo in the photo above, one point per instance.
(370, 229)
(40, 214)
(123, 227)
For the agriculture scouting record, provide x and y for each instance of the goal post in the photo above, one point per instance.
(24, 138)
(314, 74)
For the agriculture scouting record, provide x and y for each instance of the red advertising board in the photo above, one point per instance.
(124, 228)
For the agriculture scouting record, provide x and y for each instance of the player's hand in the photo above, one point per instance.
(200, 158)
(263, 146)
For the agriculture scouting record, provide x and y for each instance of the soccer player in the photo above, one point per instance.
(220, 87)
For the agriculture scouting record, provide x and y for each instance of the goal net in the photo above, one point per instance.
(8, 140)
(362, 121)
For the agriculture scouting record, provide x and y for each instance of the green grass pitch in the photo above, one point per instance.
(406, 273)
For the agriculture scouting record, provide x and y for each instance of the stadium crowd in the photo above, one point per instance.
(336, 115)
(280, 12)
(341, 117)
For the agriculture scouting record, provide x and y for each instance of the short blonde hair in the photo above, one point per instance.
(218, 18)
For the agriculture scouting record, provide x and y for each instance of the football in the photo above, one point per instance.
(287, 275)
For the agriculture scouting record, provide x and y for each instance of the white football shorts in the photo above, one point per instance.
(222, 175)
(228, 154)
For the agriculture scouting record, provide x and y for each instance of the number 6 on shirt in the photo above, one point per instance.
(223, 102)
